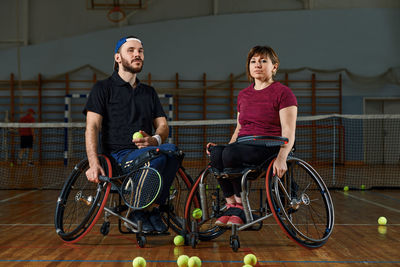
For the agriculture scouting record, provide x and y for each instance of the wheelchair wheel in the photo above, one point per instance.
(81, 202)
(207, 230)
(179, 192)
(301, 203)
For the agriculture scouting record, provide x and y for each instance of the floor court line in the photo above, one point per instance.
(373, 203)
(385, 196)
(17, 196)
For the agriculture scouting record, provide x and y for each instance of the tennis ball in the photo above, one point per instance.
(197, 213)
(363, 187)
(11, 164)
(194, 262)
(382, 220)
(179, 240)
(346, 188)
(246, 265)
(137, 135)
(183, 261)
(382, 229)
(250, 259)
(139, 262)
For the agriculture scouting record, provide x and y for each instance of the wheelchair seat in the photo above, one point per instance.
(253, 171)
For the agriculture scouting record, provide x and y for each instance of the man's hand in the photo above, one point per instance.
(146, 141)
(93, 172)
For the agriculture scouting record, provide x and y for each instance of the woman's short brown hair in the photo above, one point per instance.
(260, 51)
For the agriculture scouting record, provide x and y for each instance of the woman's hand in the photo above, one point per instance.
(209, 145)
(279, 167)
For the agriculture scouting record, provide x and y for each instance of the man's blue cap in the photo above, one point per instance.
(124, 40)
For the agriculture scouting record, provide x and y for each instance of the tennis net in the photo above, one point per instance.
(354, 150)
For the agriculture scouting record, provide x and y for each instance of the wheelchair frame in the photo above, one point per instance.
(81, 204)
(283, 201)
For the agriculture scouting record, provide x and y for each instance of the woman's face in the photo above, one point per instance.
(261, 67)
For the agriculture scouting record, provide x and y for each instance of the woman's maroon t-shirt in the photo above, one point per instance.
(259, 109)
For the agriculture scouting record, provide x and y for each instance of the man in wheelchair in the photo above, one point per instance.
(265, 108)
(118, 107)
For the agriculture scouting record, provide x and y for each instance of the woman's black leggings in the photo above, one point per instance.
(235, 156)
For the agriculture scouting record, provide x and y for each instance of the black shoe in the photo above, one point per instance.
(156, 221)
(140, 215)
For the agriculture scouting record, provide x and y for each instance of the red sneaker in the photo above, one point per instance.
(224, 218)
(237, 217)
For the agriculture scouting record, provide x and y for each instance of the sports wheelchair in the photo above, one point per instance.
(81, 203)
(299, 201)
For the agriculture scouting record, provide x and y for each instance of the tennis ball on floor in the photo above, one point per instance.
(363, 187)
(197, 213)
(179, 240)
(250, 259)
(382, 229)
(137, 135)
(139, 262)
(194, 262)
(382, 220)
(183, 261)
(346, 188)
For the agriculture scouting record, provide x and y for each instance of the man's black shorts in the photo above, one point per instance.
(26, 141)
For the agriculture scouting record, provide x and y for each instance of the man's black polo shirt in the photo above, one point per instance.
(125, 110)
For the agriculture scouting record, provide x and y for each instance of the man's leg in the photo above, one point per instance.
(167, 166)
(122, 157)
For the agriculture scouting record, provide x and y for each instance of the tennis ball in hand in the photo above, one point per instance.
(346, 188)
(382, 220)
(139, 262)
(179, 240)
(194, 262)
(197, 213)
(137, 135)
(183, 261)
(250, 259)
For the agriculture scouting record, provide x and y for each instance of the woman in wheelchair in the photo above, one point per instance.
(265, 108)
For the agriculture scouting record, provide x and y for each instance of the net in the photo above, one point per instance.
(347, 150)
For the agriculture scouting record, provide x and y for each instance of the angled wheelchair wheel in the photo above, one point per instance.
(301, 203)
(211, 203)
(179, 192)
(81, 202)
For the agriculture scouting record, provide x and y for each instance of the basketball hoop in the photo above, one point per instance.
(116, 14)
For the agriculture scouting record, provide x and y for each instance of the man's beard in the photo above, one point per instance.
(128, 67)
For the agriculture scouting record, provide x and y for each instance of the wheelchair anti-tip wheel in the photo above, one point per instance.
(214, 206)
(81, 202)
(301, 203)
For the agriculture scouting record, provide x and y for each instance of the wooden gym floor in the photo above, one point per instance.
(28, 237)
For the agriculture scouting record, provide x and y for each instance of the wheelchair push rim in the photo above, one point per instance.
(301, 204)
(80, 203)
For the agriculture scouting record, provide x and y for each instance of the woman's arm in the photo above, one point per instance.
(236, 132)
(288, 117)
